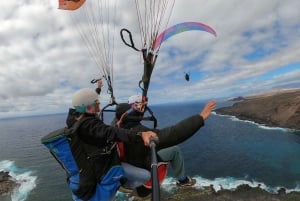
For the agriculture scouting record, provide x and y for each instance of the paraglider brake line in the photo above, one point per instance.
(131, 44)
(93, 81)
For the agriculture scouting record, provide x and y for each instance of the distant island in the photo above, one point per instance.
(279, 108)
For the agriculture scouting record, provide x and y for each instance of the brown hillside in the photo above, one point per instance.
(281, 109)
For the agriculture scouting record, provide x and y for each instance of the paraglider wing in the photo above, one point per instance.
(181, 27)
(70, 4)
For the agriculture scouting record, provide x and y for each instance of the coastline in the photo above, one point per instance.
(47, 184)
(242, 193)
(276, 109)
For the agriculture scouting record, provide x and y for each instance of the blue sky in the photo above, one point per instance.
(43, 61)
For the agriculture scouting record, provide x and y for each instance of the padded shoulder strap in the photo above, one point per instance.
(78, 124)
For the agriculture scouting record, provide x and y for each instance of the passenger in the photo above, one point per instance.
(129, 115)
(172, 154)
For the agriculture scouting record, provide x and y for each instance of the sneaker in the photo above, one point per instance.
(136, 196)
(189, 182)
(125, 190)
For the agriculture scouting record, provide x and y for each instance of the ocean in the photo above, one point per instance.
(225, 153)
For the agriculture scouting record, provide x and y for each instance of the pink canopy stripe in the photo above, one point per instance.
(181, 27)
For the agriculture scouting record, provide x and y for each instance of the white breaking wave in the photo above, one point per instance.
(23, 177)
(228, 183)
(234, 118)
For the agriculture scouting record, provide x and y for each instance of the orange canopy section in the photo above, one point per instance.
(70, 4)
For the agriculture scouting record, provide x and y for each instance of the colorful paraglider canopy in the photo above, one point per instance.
(70, 4)
(181, 27)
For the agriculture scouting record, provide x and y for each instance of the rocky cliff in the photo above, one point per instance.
(6, 184)
(276, 109)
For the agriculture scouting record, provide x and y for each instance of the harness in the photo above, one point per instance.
(85, 165)
(138, 118)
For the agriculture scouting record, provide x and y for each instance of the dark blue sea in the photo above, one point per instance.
(225, 153)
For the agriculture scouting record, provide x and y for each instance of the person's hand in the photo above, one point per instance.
(99, 84)
(146, 137)
(209, 107)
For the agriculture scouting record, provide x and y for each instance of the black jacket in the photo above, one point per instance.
(98, 137)
(93, 131)
(139, 155)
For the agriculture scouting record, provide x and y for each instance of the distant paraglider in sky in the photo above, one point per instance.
(179, 28)
(187, 76)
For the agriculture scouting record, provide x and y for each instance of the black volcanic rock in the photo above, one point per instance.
(6, 183)
(281, 109)
(243, 192)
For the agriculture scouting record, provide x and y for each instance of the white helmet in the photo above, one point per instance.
(83, 98)
(134, 99)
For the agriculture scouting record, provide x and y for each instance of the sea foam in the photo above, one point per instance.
(23, 177)
(228, 183)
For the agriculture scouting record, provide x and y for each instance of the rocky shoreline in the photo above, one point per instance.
(241, 193)
(7, 184)
(276, 109)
